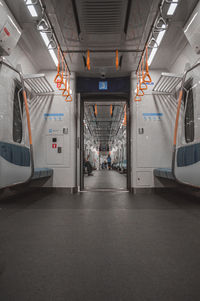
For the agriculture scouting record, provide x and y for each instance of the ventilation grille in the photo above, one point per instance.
(102, 16)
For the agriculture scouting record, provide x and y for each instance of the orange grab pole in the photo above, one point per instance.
(140, 91)
(62, 77)
(146, 77)
(143, 85)
(117, 59)
(65, 90)
(177, 116)
(28, 118)
(68, 97)
(111, 110)
(124, 123)
(58, 77)
(95, 112)
(137, 96)
(88, 60)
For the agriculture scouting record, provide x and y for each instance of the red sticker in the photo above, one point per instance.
(54, 145)
(58, 84)
(6, 31)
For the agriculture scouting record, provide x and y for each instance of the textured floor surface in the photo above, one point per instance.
(99, 246)
(105, 179)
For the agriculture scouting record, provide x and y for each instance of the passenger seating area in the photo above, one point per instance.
(186, 155)
(164, 173)
(20, 155)
(42, 173)
(120, 166)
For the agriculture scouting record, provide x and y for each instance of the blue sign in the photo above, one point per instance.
(152, 116)
(54, 116)
(150, 84)
(103, 85)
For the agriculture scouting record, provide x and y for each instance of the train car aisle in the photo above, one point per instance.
(99, 246)
(105, 179)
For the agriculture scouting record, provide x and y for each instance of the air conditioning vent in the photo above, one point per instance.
(102, 17)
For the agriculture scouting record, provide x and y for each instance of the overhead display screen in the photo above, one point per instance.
(103, 85)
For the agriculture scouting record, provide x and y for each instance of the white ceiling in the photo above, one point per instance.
(102, 26)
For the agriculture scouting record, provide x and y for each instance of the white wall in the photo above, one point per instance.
(187, 58)
(45, 129)
(153, 148)
(20, 57)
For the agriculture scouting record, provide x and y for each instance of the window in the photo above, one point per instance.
(189, 111)
(17, 114)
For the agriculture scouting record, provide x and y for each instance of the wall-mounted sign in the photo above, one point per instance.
(54, 116)
(152, 116)
(103, 85)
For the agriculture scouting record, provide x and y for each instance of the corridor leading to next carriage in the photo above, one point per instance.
(105, 152)
(105, 179)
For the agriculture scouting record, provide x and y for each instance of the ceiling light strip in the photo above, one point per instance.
(31, 7)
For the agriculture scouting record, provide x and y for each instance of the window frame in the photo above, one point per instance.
(18, 104)
(189, 123)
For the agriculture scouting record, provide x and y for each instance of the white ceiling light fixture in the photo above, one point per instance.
(172, 7)
(47, 42)
(31, 8)
(157, 43)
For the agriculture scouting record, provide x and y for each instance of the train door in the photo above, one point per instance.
(104, 143)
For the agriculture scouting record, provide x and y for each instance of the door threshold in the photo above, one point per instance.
(104, 190)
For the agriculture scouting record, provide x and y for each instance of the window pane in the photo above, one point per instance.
(189, 111)
(17, 114)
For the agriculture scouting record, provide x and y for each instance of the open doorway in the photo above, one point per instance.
(105, 154)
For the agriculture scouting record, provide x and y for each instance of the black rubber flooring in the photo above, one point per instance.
(99, 246)
(105, 179)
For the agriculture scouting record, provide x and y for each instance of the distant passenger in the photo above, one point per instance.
(109, 162)
(88, 166)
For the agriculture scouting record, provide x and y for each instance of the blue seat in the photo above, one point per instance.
(188, 155)
(164, 173)
(42, 173)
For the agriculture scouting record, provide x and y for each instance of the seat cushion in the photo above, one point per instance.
(188, 155)
(15, 154)
(42, 173)
(164, 173)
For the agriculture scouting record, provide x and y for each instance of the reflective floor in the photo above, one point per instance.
(99, 246)
(105, 179)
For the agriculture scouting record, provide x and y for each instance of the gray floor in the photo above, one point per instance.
(99, 246)
(105, 179)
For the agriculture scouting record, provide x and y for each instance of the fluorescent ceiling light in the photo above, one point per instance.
(51, 51)
(172, 8)
(153, 52)
(54, 57)
(192, 20)
(158, 41)
(31, 8)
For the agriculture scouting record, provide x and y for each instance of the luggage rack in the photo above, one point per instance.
(167, 83)
(38, 84)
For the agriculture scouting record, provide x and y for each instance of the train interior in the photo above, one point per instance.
(99, 150)
(105, 136)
